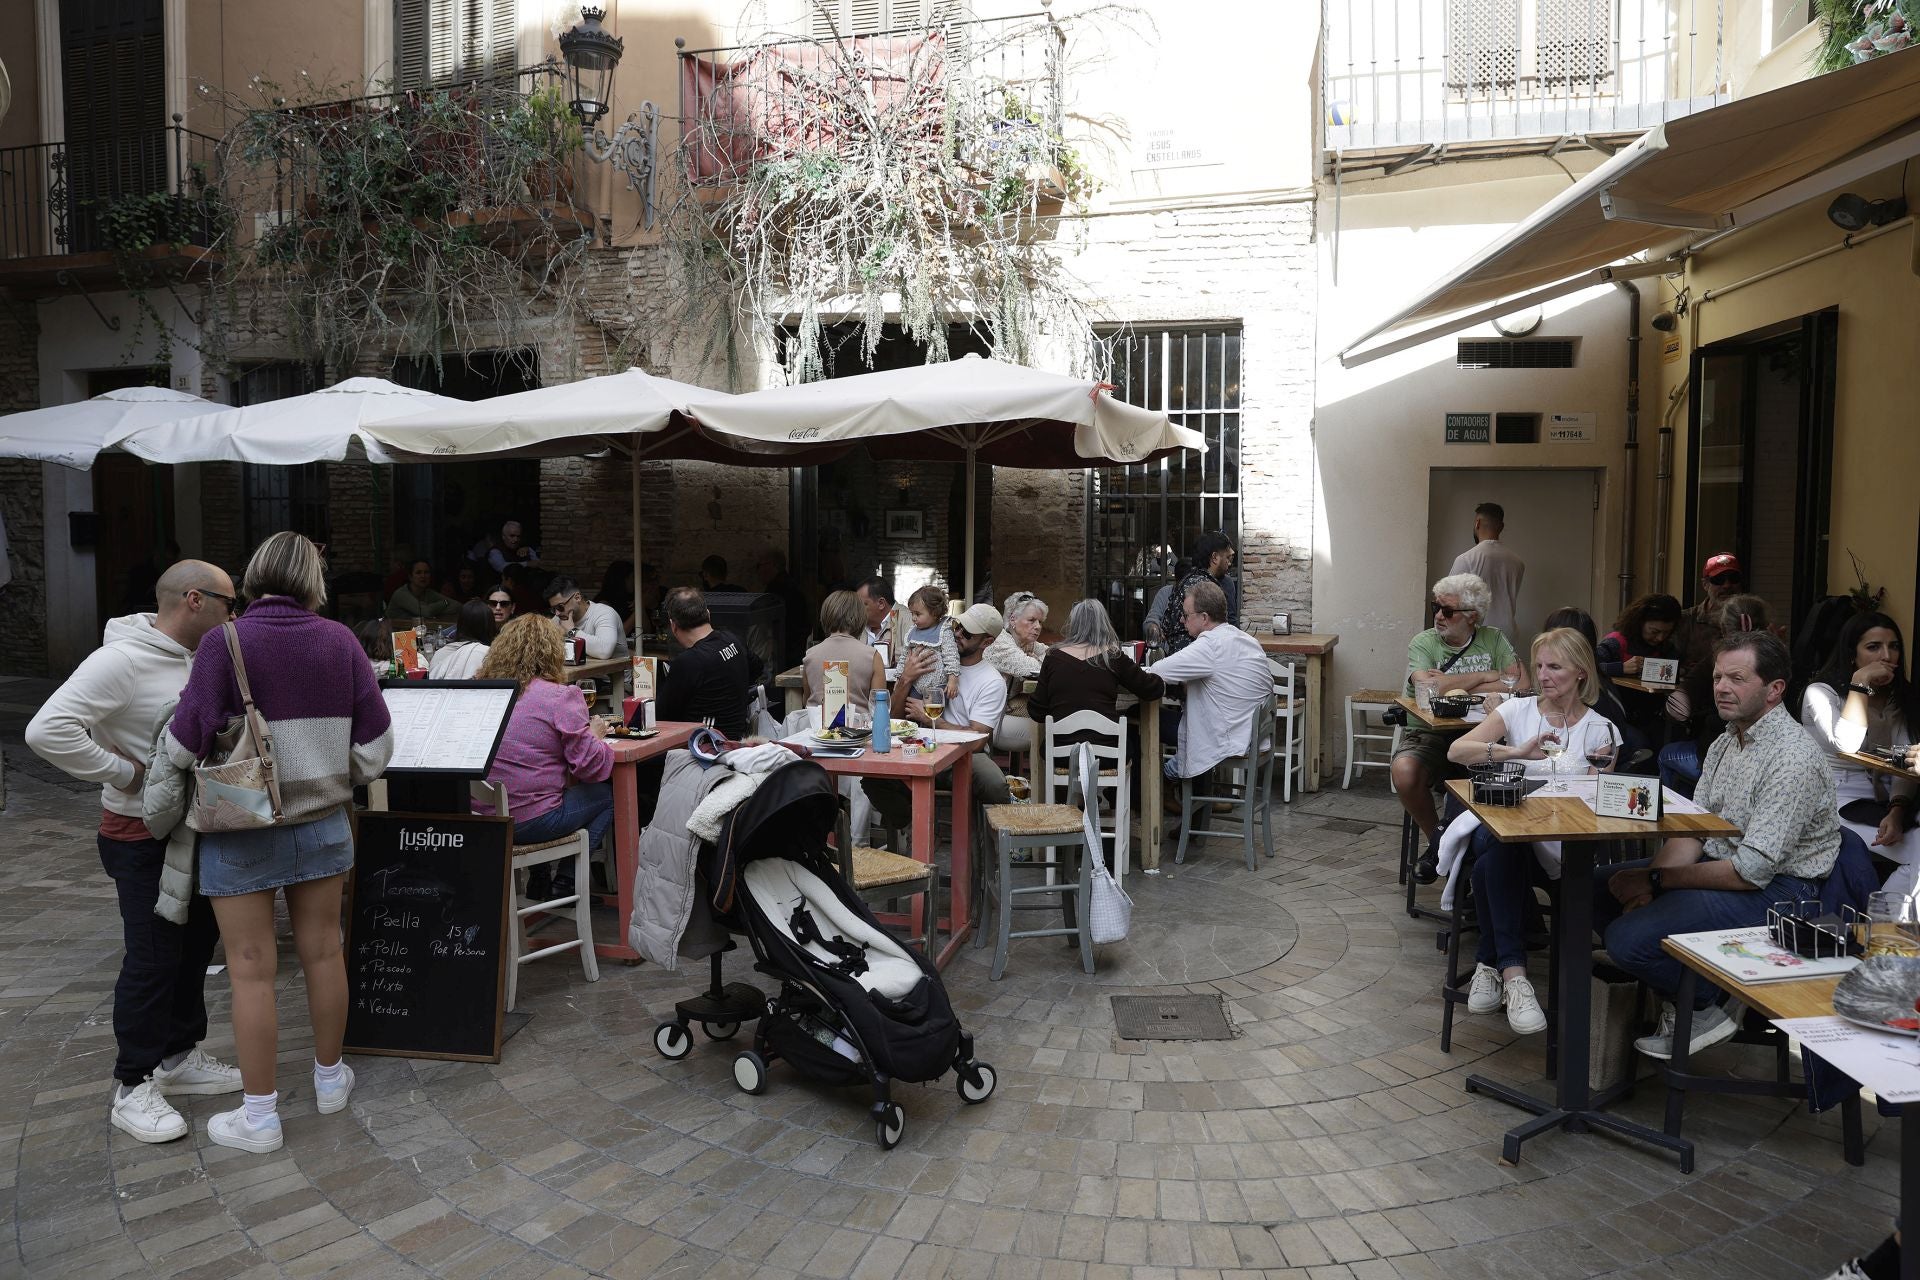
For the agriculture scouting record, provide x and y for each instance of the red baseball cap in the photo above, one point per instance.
(1722, 563)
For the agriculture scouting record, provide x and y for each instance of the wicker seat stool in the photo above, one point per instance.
(878, 876)
(1065, 868)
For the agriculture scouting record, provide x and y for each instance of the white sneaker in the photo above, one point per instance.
(198, 1073)
(1523, 1007)
(1484, 995)
(1849, 1270)
(329, 1100)
(1711, 1025)
(143, 1112)
(230, 1129)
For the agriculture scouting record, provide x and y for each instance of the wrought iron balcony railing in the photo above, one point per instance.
(140, 188)
(1424, 76)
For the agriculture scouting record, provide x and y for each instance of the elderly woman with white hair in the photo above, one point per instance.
(1017, 654)
(1456, 653)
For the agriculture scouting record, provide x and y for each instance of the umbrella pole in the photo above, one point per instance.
(639, 629)
(970, 517)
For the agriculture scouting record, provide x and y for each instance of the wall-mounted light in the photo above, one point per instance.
(1850, 212)
(592, 54)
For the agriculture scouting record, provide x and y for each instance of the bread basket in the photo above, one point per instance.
(1502, 784)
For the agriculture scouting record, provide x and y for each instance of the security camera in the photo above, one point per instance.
(1665, 321)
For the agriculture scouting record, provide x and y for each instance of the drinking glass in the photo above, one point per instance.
(1551, 748)
(1509, 682)
(1601, 751)
(935, 703)
(1895, 924)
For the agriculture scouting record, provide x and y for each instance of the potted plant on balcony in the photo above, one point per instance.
(542, 136)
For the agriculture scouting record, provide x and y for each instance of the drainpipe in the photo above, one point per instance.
(1633, 442)
(1663, 486)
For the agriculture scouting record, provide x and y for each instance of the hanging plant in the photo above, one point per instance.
(1855, 31)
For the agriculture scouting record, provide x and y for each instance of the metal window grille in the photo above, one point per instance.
(1515, 353)
(1483, 45)
(1573, 42)
(276, 498)
(1141, 519)
(1525, 47)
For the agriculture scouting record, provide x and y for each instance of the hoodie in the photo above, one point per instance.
(112, 701)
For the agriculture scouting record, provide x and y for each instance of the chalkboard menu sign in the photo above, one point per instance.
(426, 935)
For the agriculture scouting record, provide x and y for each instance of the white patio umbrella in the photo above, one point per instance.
(74, 434)
(328, 425)
(968, 410)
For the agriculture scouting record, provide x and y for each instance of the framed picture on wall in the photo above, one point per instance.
(903, 524)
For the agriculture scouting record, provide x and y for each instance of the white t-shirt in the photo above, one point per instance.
(1524, 723)
(457, 661)
(982, 698)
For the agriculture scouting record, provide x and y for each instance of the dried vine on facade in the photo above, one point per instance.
(914, 177)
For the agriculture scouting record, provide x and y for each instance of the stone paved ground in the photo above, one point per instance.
(1331, 1138)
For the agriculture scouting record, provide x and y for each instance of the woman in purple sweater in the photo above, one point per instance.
(312, 682)
(551, 759)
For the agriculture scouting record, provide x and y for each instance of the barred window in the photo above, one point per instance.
(1142, 519)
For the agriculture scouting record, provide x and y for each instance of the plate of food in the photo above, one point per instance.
(1881, 992)
(902, 728)
(839, 736)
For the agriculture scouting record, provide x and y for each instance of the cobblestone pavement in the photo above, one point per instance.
(1330, 1138)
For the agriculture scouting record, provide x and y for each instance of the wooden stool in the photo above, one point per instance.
(1059, 830)
(1360, 702)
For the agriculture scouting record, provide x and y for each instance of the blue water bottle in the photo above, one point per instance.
(882, 727)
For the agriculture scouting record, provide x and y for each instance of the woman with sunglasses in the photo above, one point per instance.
(331, 733)
(500, 604)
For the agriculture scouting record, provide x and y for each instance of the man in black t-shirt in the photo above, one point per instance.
(714, 671)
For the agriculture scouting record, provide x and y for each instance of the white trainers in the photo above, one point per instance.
(329, 1100)
(1523, 1007)
(143, 1112)
(1711, 1025)
(1849, 1270)
(198, 1073)
(230, 1129)
(1484, 995)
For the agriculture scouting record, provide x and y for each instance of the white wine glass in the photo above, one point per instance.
(1551, 746)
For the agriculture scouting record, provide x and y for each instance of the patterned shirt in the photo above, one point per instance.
(1776, 787)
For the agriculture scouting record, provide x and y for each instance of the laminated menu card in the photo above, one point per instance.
(646, 676)
(406, 650)
(1659, 670)
(833, 696)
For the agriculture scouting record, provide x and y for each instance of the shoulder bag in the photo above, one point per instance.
(237, 788)
(1109, 910)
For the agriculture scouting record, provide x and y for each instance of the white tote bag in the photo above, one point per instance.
(1110, 910)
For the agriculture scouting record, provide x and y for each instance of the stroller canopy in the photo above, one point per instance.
(790, 816)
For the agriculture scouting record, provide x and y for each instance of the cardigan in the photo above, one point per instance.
(311, 681)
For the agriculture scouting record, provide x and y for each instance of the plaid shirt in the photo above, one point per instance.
(1776, 787)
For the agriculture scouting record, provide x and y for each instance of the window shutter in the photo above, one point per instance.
(411, 21)
(904, 13)
(503, 38)
(822, 15)
(1483, 45)
(1573, 42)
(443, 40)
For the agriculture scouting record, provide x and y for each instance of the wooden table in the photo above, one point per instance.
(1443, 724)
(627, 756)
(1569, 820)
(1152, 778)
(1636, 685)
(599, 669)
(1316, 649)
(1875, 764)
(918, 771)
(794, 681)
(1808, 998)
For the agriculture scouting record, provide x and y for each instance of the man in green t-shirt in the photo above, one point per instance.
(1474, 658)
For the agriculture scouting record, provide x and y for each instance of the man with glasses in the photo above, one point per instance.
(599, 623)
(1455, 653)
(1699, 627)
(99, 727)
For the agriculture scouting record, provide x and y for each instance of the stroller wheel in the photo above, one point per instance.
(720, 1030)
(672, 1040)
(889, 1124)
(750, 1072)
(976, 1081)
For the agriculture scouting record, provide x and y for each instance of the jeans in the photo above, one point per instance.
(1504, 876)
(1633, 937)
(160, 998)
(1680, 766)
(586, 805)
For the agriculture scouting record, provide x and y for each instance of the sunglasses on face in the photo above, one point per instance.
(232, 602)
(1447, 610)
(1725, 579)
(501, 604)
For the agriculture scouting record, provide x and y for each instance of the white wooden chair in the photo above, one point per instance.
(576, 906)
(1290, 725)
(1110, 757)
(1361, 704)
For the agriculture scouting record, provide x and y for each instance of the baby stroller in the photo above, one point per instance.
(856, 1006)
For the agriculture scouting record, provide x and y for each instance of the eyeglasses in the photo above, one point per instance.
(500, 602)
(232, 602)
(1446, 610)
(1725, 579)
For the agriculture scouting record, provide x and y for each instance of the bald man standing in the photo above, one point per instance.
(98, 727)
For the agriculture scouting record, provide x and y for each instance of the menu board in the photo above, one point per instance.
(427, 935)
(446, 726)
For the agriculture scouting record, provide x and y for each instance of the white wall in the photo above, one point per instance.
(1378, 428)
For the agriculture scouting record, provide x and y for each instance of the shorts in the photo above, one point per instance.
(1427, 747)
(236, 862)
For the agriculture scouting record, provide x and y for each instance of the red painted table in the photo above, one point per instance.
(627, 756)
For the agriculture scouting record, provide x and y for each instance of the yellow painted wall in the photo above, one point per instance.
(1876, 463)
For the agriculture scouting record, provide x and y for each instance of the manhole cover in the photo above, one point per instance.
(1171, 1018)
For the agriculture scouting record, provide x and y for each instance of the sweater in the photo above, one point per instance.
(112, 703)
(1611, 654)
(548, 745)
(1068, 684)
(1007, 657)
(457, 661)
(311, 681)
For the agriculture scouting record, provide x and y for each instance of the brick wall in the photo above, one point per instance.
(23, 601)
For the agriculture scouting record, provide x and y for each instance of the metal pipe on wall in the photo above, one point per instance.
(1632, 480)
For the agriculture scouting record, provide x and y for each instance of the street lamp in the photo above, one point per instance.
(591, 54)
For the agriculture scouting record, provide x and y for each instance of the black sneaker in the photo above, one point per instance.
(563, 886)
(539, 884)
(1427, 869)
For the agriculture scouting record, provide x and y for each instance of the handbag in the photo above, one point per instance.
(238, 788)
(1109, 909)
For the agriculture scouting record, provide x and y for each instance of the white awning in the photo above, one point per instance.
(1706, 173)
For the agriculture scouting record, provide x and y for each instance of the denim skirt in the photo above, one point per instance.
(235, 862)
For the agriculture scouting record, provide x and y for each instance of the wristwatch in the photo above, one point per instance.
(1861, 689)
(1653, 880)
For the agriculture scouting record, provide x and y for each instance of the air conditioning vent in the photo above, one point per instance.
(1516, 353)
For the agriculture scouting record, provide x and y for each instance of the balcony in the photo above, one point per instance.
(1415, 81)
(143, 204)
(987, 93)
